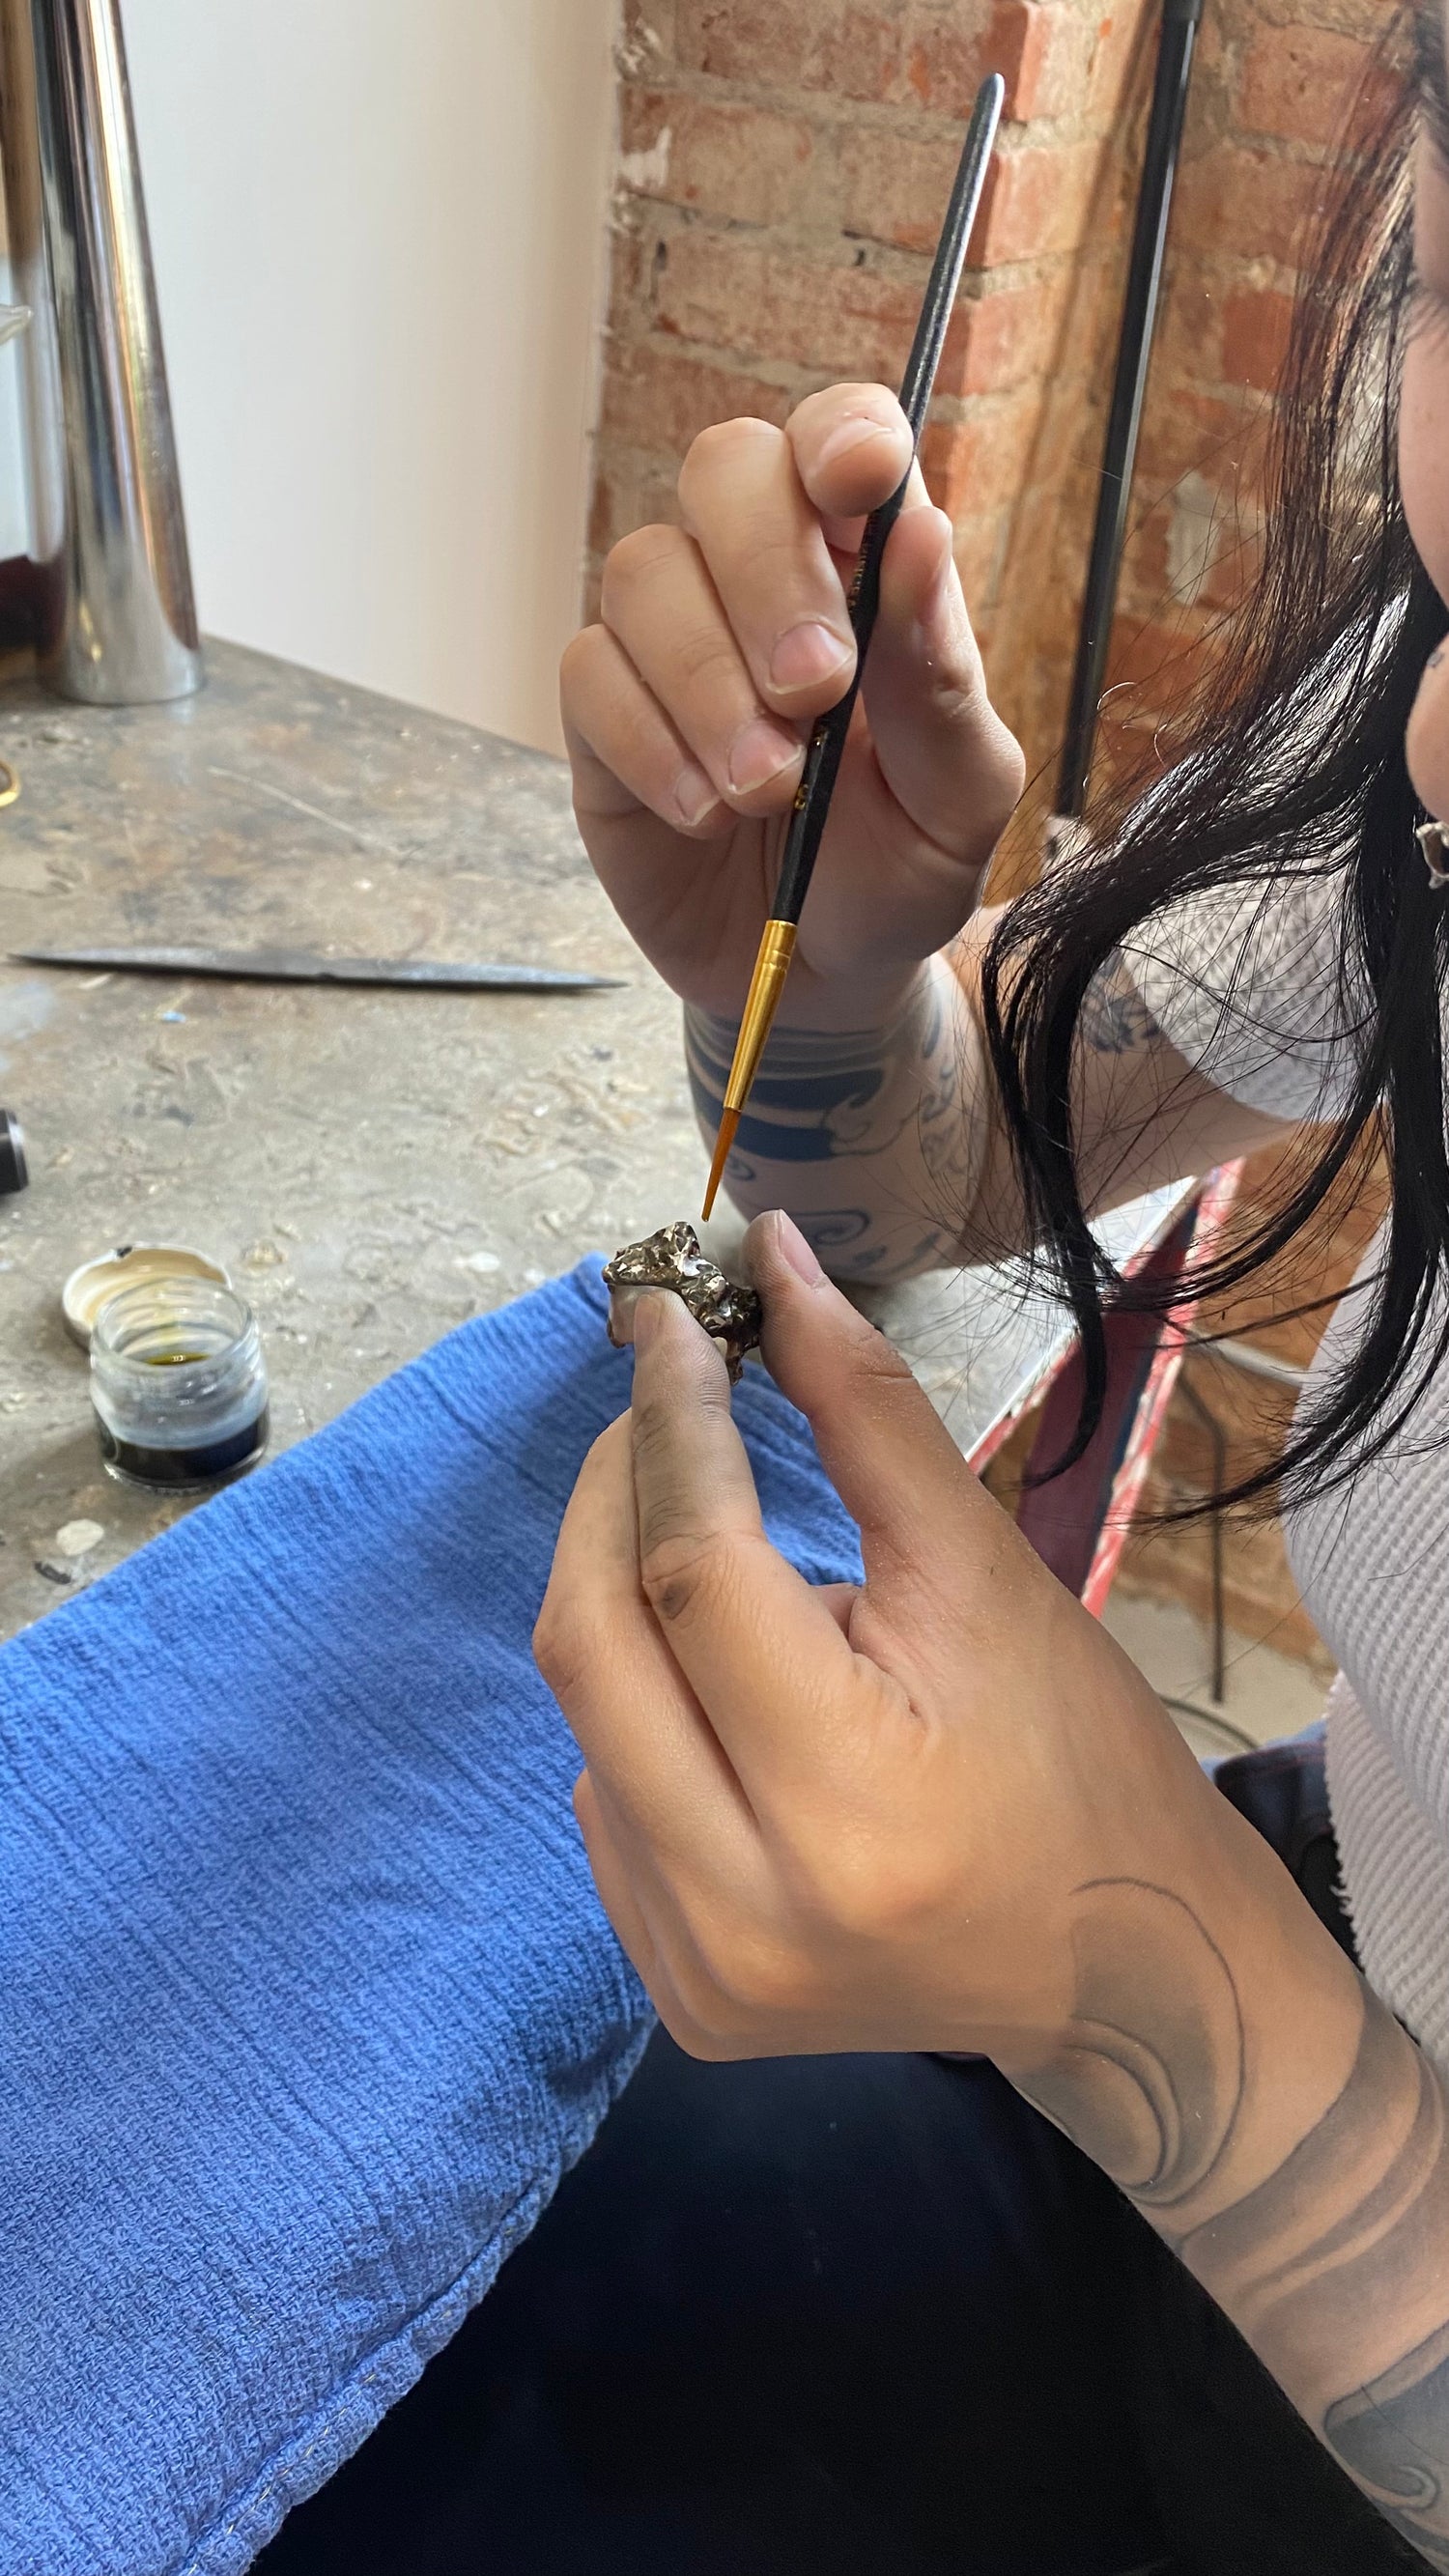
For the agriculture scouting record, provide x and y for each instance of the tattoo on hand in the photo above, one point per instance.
(1350, 2230)
(1152, 2078)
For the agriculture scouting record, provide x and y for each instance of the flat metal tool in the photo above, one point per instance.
(302, 966)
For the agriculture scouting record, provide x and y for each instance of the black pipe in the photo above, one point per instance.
(1180, 20)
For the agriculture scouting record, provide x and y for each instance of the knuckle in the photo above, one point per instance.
(579, 656)
(683, 1571)
(821, 410)
(688, 2034)
(559, 1648)
(734, 1987)
(882, 1900)
(633, 562)
(708, 664)
(720, 448)
(757, 1980)
(905, 1893)
(677, 635)
(654, 1418)
(877, 1362)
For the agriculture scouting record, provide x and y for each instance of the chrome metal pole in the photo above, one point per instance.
(120, 622)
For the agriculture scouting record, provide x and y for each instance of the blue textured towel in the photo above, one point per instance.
(306, 2000)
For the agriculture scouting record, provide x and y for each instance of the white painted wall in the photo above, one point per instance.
(378, 230)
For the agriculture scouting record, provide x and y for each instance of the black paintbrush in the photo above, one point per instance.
(827, 742)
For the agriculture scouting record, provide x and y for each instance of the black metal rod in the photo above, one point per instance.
(1180, 20)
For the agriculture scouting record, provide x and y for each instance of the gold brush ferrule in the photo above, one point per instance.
(772, 965)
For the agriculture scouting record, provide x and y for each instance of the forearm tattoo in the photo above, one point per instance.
(1342, 2249)
(866, 1137)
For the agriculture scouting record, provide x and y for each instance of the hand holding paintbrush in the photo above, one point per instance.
(721, 639)
(827, 742)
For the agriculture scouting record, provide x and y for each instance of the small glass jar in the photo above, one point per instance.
(179, 1384)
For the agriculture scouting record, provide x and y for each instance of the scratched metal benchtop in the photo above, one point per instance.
(372, 1166)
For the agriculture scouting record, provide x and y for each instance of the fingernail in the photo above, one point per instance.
(694, 794)
(806, 655)
(858, 431)
(760, 751)
(792, 1247)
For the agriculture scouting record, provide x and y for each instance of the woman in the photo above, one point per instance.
(1167, 2279)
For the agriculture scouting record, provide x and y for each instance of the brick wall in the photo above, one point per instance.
(1271, 87)
(783, 167)
(782, 171)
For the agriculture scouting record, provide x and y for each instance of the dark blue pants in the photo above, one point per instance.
(853, 2316)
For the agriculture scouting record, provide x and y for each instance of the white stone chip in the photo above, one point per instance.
(79, 1537)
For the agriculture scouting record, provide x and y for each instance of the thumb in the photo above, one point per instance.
(949, 761)
(922, 1515)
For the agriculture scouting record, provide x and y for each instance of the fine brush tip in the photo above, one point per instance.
(729, 1122)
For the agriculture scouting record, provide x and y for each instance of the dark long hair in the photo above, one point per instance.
(1291, 759)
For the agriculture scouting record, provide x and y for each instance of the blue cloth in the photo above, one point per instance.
(306, 2000)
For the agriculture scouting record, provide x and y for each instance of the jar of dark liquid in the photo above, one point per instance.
(179, 1384)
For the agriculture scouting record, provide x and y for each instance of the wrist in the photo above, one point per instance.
(867, 1134)
(820, 1013)
(1213, 2021)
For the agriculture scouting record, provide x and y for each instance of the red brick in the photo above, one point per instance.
(1188, 345)
(1039, 200)
(825, 45)
(1032, 549)
(1298, 82)
(895, 189)
(734, 293)
(1064, 68)
(1086, 294)
(1153, 660)
(630, 491)
(984, 627)
(1249, 205)
(658, 400)
(730, 160)
(1255, 337)
(1116, 56)
(646, 37)
(1011, 335)
(1036, 201)
(1068, 441)
(945, 58)
(631, 252)
(847, 321)
(973, 464)
(1187, 432)
(979, 547)
(1233, 567)
(1145, 583)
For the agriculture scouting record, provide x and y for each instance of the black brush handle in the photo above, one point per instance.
(827, 742)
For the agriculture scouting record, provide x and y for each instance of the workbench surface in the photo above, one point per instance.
(373, 1167)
